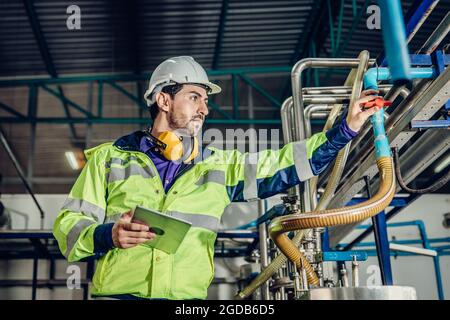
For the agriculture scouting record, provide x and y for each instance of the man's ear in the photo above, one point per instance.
(163, 101)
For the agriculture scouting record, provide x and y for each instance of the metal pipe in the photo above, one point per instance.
(296, 75)
(341, 159)
(287, 128)
(320, 99)
(340, 90)
(422, 13)
(263, 252)
(314, 109)
(21, 174)
(421, 251)
(364, 58)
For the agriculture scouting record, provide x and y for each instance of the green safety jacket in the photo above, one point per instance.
(118, 177)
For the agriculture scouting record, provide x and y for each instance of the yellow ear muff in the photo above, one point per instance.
(173, 148)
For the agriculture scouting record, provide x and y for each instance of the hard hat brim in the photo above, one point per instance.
(215, 89)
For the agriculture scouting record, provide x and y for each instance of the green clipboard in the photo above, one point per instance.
(170, 231)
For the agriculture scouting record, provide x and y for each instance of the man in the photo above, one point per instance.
(159, 169)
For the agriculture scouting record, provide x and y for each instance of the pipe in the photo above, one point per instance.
(346, 215)
(391, 96)
(341, 159)
(421, 251)
(267, 273)
(263, 250)
(281, 259)
(320, 99)
(288, 135)
(394, 38)
(314, 109)
(297, 95)
(309, 197)
(21, 174)
(296, 76)
(373, 75)
(354, 77)
(418, 18)
(394, 92)
(423, 95)
(340, 90)
(437, 36)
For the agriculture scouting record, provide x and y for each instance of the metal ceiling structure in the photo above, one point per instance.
(56, 83)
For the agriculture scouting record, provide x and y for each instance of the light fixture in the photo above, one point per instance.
(75, 159)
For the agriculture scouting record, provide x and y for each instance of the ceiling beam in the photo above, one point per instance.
(220, 33)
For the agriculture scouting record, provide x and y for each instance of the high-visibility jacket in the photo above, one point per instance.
(118, 177)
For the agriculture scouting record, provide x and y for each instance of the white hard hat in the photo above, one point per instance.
(182, 70)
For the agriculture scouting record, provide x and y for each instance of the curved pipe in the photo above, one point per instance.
(341, 159)
(373, 75)
(281, 259)
(288, 137)
(346, 215)
(314, 109)
(297, 94)
(339, 90)
(394, 38)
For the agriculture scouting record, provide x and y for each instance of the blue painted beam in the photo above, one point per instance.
(442, 60)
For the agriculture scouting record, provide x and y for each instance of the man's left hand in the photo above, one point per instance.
(357, 116)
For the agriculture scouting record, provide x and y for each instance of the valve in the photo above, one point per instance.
(377, 102)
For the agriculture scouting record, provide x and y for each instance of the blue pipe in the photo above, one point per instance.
(425, 241)
(394, 38)
(421, 10)
(373, 75)
(381, 142)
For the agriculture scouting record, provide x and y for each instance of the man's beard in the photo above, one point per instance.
(189, 126)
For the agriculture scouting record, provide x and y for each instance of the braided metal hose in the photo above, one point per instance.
(333, 217)
(268, 272)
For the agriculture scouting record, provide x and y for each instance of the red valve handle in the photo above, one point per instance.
(378, 102)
